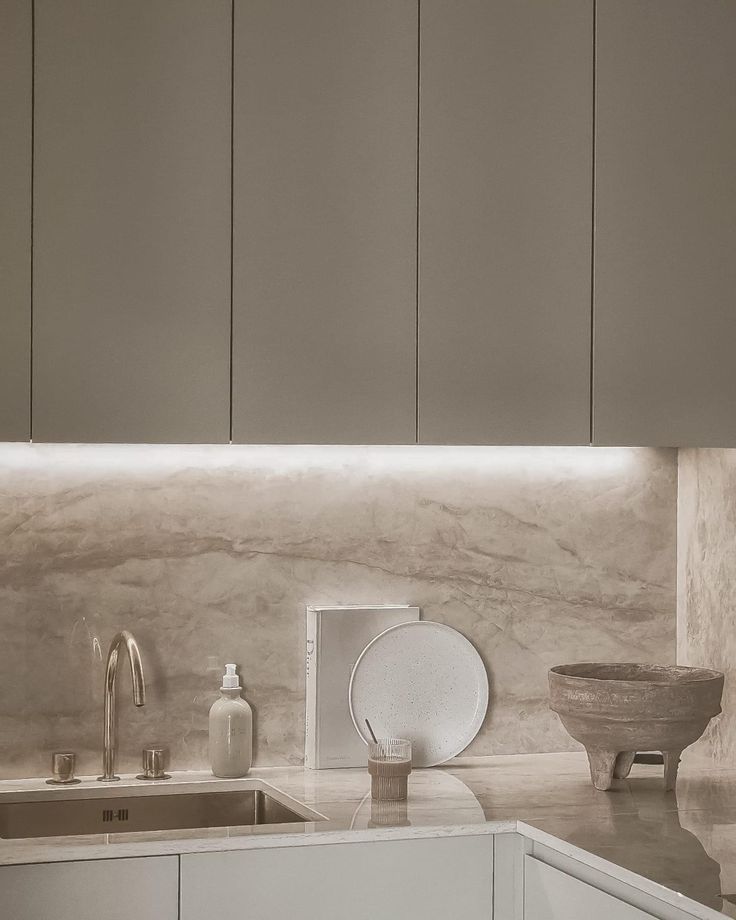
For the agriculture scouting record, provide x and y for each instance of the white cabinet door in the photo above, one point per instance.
(552, 895)
(432, 879)
(105, 889)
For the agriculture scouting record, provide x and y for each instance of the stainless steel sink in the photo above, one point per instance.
(135, 813)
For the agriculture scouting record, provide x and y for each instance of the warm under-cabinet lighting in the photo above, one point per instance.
(167, 458)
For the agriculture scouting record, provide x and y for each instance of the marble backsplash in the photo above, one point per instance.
(707, 581)
(538, 555)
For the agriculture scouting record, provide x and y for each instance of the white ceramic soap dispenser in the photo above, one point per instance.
(231, 729)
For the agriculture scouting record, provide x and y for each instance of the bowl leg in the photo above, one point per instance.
(624, 762)
(602, 764)
(671, 764)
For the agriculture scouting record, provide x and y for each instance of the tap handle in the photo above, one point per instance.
(63, 765)
(154, 763)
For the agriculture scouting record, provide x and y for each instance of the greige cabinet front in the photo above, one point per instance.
(131, 263)
(16, 77)
(505, 187)
(105, 889)
(430, 879)
(324, 221)
(665, 269)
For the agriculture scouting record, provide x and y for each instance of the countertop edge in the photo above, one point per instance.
(69, 852)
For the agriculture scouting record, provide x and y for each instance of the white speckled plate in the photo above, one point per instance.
(423, 681)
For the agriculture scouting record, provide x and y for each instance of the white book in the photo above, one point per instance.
(335, 638)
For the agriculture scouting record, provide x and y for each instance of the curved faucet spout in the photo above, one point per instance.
(125, 640)
(136, 665)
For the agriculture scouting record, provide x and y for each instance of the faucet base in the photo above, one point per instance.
(108, 779)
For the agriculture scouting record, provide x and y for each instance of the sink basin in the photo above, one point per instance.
(170, 810)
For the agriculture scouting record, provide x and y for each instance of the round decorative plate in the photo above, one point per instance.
(423, 681)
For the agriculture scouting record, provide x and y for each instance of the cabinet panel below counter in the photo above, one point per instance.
(113, 889)
(428, 879)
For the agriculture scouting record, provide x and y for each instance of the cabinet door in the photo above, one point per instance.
(505, 185)
(106, 889)
(15, 219)
(665, 272)
(552, 895)
(413, 879)
(131, 267)
(324, 221)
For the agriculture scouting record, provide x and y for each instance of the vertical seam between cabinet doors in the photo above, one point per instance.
(232, 200)
(178, 887)
(493, 877)
(416, 268)
(592, 229)
(31, 233)
(523, 874)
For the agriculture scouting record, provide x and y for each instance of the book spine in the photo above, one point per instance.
(311, 740)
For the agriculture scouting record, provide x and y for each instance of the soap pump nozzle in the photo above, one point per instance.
(230, 679)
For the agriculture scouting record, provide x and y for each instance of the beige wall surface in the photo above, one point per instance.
(539, 555)
(706, 574)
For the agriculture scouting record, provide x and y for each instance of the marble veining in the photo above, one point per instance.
(538, 555)
(707, 580)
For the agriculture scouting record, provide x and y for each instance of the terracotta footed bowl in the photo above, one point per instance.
(616, 710)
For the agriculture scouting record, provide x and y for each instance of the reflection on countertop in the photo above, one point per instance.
(439, 805)
(684, 840)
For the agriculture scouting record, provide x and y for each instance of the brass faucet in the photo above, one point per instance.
(110, 736)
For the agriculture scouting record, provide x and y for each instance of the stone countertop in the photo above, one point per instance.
(684, 841)
(439, 805)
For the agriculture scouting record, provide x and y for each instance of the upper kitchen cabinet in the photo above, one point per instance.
(324, 221)
(505, 188)
(16, 78)
(131, 267)
(665, 240)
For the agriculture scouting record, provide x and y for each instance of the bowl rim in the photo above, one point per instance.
(697, 675)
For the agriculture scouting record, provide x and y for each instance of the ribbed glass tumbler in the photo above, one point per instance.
(389, 765)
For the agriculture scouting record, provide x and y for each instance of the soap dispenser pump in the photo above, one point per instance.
(231, 729)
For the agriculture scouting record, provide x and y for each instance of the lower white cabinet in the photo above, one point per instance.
(106, 889)
(550, 894)
(426, 879)
(557, 886)
(507, 877)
